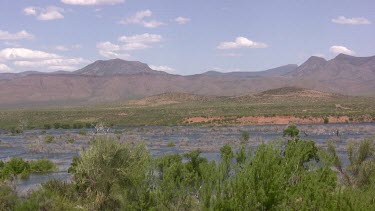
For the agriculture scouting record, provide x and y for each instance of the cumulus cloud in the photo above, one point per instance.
(182, 20)
(337, 49)
(108, 46)
(110, 50)
(141, 38)
(134, 46)
(162, 68)
(113, 55)
(51, 62)
(352, 21)
(4, 68)
(45, 14)
(92, 2)
(5, 35)
(139, 41)
(128, 43)
(28, 58)
(241, 42)
(24, 53)
(139, 18)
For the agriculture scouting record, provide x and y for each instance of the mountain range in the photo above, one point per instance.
(116, 80)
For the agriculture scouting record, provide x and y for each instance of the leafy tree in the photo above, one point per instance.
(292, 132)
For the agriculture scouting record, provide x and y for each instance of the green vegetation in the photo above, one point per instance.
(228, 108)
(292, 132)
(49, 139)
(70, 140)
(118, 132)
(326, 120)
(245, 136)
(170, 144)
(282, 175)
(17, 167)
(82, 133)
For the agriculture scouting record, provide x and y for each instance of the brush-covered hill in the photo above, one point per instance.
(118, 80)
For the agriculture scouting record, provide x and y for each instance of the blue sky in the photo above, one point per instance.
(182, 36)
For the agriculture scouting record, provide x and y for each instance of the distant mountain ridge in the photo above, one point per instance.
(116, 67)
(118, 80)
(278, 71)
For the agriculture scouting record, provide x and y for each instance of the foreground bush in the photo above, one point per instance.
(17, 167)
(282, 175)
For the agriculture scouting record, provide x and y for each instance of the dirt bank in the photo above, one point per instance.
(263, 120)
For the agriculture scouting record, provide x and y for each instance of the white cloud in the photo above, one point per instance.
(337, 49)
(5, 35)
(51, 63)
(141, 38)
(30, 11)
(112, 55)
(139, 17)
(61, 48)
(4, 68)
(108, 46)
(135, 42)
(152, 24)
(25, 54)
(92, 2)
(162, 68)
(241, 42)
(28, 58)
(110, 50)
(352, 21)
(182, 20)
(134, 46)
(45, 14)
(319, 55)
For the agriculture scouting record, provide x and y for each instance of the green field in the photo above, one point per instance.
(174, 109)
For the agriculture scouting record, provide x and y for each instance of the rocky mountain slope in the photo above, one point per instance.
(117, 80)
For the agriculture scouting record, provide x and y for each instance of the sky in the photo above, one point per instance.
(182, 36)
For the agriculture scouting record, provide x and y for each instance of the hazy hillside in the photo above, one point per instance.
(116, 67)
(117, 80)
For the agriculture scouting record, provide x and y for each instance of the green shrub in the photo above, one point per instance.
(88, 125)
(245, 136)
(57, 125)
(82, 133)
(70, 140)
(170, 144)
(49, 139)
(65, 126)
(42, 166)
(16, 130)
(326, 120)
(8, 197)
(47, 126)
(120, 180)
(291, 131)
(77, 125)
(118, 132)
(15, 167)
